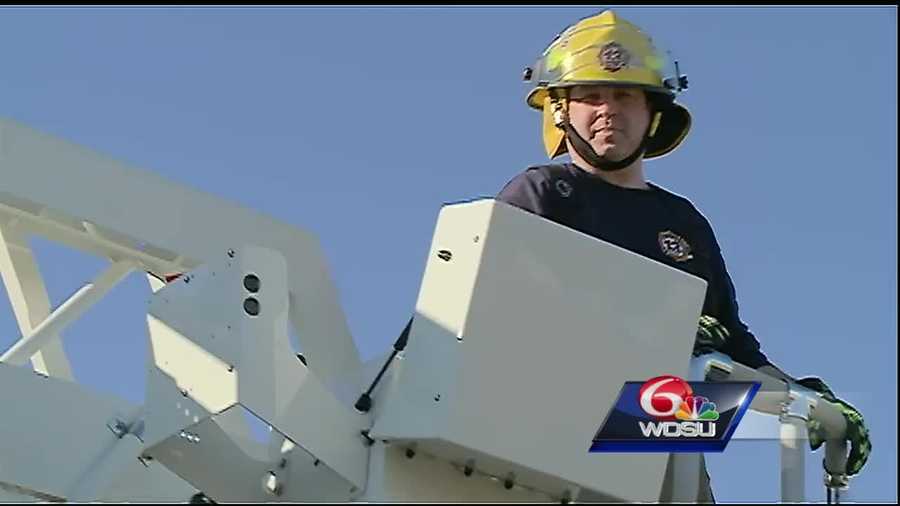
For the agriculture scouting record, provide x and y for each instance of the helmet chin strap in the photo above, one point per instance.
(585, 151)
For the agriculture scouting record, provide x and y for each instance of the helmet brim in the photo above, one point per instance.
(673, 128)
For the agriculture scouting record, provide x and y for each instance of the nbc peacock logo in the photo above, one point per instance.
(668, 414)
(697, 408)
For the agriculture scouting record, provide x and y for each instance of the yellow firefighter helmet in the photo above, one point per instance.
(606, 49)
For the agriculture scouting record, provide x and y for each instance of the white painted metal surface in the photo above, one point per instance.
(525, 328)
(51, 187)
(793, 462)
(29, 300)
(66, 313)
(139, 481)
(55, 443)
(212, 351)
(396, 478)
(791, 405)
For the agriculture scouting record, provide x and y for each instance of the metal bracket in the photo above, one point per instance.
(710, 364)
(121, 428)
(118, 427)
(798, 404)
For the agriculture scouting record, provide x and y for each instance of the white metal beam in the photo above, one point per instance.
(29, 300)
(53, 432)
(66, 313)
(85, 238)
(68, 185)
(793, 459)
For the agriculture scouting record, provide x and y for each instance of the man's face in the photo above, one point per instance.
(612, 120)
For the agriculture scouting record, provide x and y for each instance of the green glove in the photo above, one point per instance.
(711, 335)
(857, 434)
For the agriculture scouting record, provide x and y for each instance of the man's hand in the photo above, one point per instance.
(857, 434)
(711, 336)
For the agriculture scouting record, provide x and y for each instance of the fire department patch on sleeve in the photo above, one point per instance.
(674, 246)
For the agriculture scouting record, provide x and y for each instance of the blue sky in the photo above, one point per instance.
(357, 124)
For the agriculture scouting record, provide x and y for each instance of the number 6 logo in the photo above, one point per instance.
(661, 396)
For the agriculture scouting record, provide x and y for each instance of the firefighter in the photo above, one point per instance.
(599, 86)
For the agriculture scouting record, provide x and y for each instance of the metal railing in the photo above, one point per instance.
(794, 405)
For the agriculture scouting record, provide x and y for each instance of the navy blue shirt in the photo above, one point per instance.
(654, 223)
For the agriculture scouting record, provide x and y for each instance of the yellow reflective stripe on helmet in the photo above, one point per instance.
(653, 126)
(554, 58)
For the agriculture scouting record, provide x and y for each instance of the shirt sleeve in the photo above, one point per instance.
(742, 345)
(528, 191)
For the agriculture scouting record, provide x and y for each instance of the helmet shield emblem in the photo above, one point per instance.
(614, 56)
